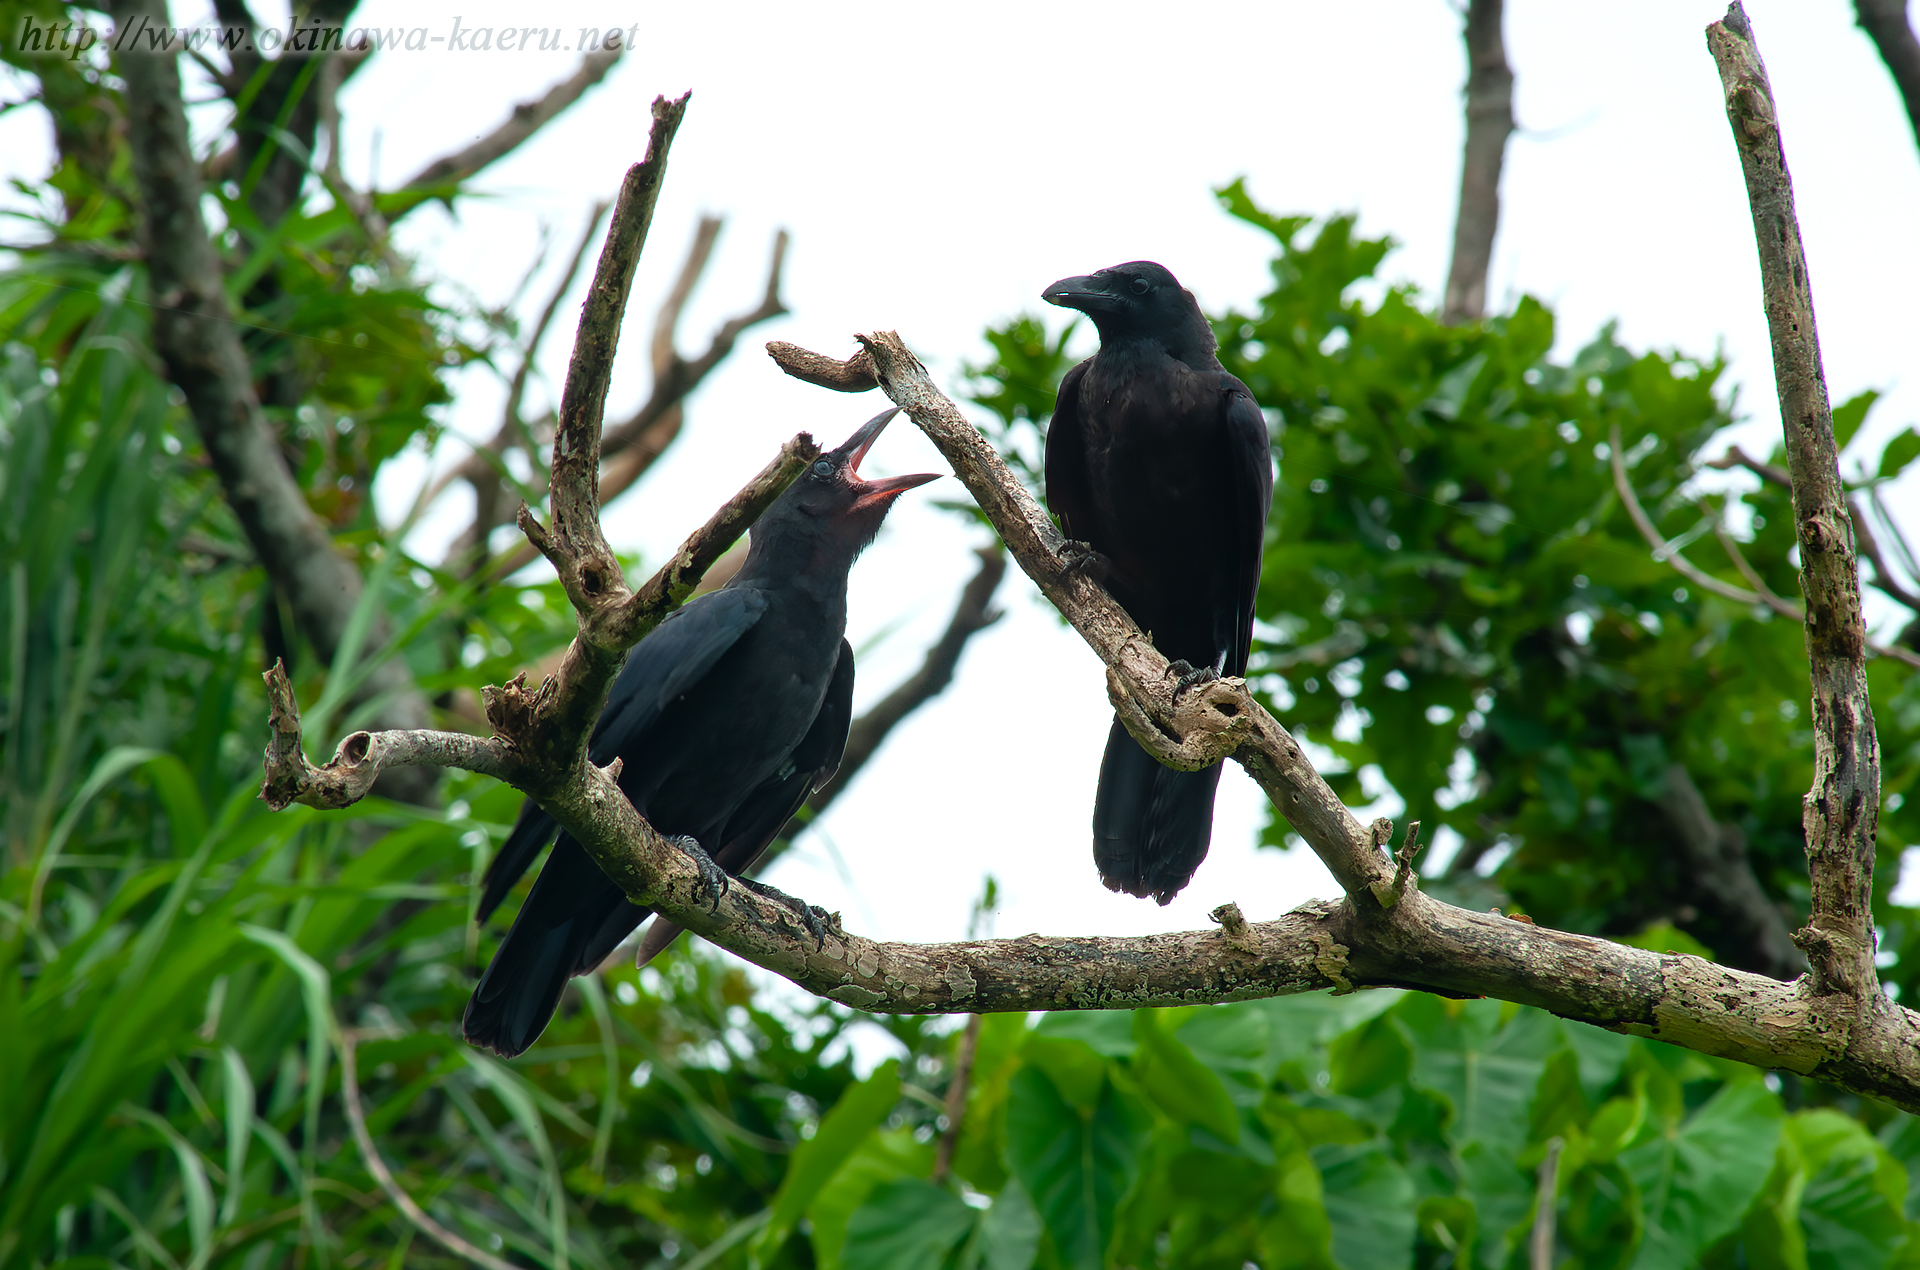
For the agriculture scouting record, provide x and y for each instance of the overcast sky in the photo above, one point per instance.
(938, 165)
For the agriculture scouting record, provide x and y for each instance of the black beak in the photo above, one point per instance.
(1087, 294)
(855, 449)
(856, 446)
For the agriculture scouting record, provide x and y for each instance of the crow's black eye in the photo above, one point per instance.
(1140, 286)
(823, 468)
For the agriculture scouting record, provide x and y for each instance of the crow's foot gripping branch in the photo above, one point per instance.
(1204, 726)
(814, 919)
(714, 880)
(1079, 559)
(1187, 676)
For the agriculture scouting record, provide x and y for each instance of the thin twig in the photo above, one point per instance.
(1662, 550)
(370, 1156)
(528, 117)
(1785, 608)
(956, 1104)
(1546, 1206)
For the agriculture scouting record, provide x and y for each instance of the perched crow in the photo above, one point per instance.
(1158, 462)
(726, 718)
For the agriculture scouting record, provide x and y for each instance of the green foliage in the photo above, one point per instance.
(180, 970)
(1339, 1159)
(1456, 606)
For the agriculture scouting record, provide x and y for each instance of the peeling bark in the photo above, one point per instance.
(1842, 809)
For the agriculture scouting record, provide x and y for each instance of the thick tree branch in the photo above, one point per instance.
(1412, 941)
(194, 332)
(1885, 22)
(1842, 809)
(1418, 943)
(1489, 124)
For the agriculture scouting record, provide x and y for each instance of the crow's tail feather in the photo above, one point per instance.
(572, 919)
(528, 838)
(1151, 824)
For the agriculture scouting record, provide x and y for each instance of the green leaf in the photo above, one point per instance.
(1851, 1205)
(1074, 1067)
(1697, 1179)
(861, 1109)
(1900, 451)
(1180, 1084)
(907, 1224)
(1488, 1070)
(881, 1157)
(1370, 1206)
(1009, 1231)
(1075, 1162)
(1850, 414)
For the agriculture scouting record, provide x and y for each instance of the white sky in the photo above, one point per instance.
(938, 165)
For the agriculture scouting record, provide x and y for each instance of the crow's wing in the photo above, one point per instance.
(1069, 495)
(667, 663)
(765, 812)
(1249, 453)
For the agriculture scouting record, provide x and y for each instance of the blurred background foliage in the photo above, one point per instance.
(1454, 606)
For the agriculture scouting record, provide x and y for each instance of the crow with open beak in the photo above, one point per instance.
(726, 717)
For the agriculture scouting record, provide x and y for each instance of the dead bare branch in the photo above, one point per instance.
(438, 177)
(1843, 807)
(1489, 124)
(1885, 22)
(194, 332)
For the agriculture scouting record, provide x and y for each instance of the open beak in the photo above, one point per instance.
(855, 449)
(1087, 294)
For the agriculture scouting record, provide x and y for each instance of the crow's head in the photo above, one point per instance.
(1139, 299)
(831, 503)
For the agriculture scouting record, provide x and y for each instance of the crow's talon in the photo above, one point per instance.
(1079, 559)
(714, 880)
(1187, 678)
(810, 917)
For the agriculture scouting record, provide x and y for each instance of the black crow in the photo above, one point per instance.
(1158, 461)
(726, 717)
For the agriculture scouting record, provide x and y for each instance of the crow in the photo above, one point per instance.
(726, 717)
(1159, 467)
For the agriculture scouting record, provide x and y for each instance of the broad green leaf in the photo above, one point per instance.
(1900, 451)
(1370, 1207)
(907, 1224)
(815, 1161)
(881, 1157)
(1850, 414)
(1074, 1067)
(1075, 1162)
(1180, 1084)
(1108, 1033)
(1487, 1069)
(1850, 1207)
(1696, 1179)
(1009, 1231)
